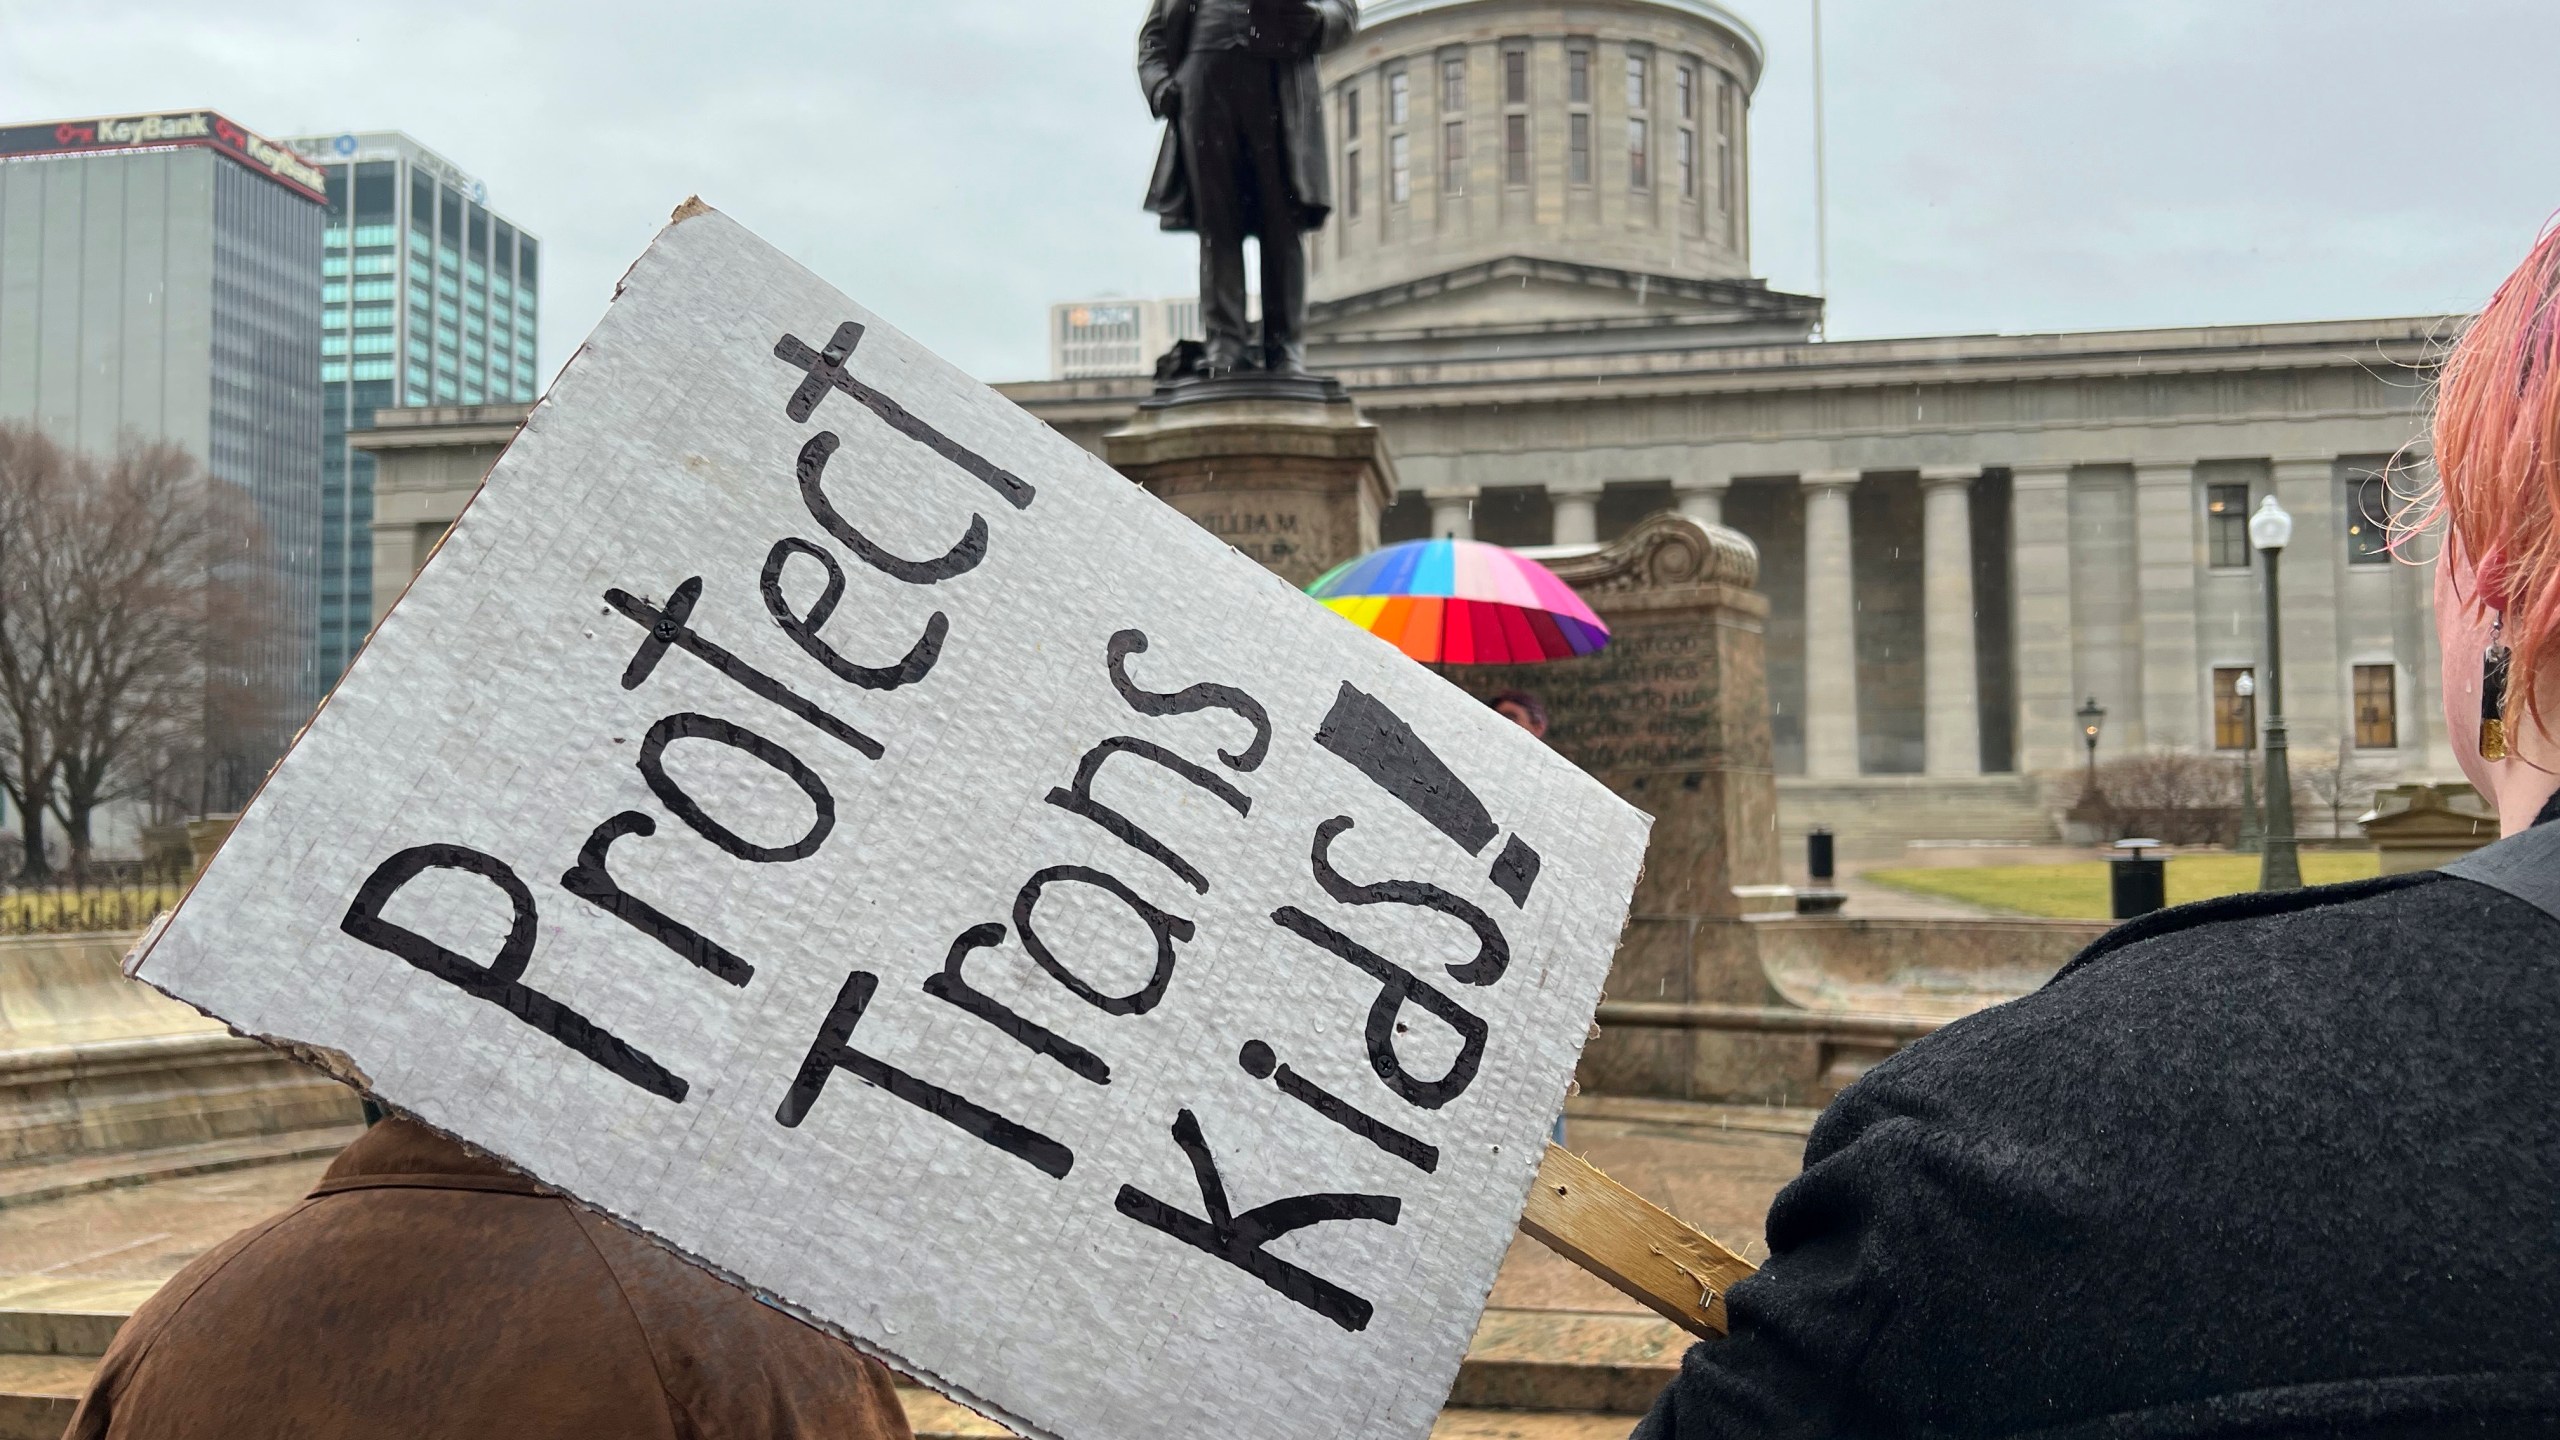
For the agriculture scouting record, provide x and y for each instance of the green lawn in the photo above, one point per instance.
(2079, 891)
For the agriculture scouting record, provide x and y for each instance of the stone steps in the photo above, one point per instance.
(1528, 1374)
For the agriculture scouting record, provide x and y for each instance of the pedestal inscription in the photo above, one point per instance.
(1297, 484)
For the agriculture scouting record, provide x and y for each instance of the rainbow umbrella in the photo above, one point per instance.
(1462, 602)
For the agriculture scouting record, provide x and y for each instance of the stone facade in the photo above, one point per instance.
(1961, 538)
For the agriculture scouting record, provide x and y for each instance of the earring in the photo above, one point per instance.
(2493, 693)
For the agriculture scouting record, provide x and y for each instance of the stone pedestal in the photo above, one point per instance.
(1297, 482)
(1674, 714)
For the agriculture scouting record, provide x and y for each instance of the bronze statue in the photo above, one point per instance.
(1243, 154)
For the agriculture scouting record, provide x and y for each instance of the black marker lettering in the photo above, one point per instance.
(501, 981)
(803, 629)
(1030, 1034)
(668, 628)
(1493, 952)
(590, 881)
(1377, 743)
(1397, 989)
(689, 726)
(960, 559)
(1077, 799)
(833, 1050)
(1165, 927)
(1515, 870)
(1239, 1239)
(1203, 696)
(1261, 1064)
(827, 369)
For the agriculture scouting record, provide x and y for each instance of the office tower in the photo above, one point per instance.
(427, 299)
(159, 281)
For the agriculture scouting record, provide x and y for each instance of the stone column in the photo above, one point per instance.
(1702, 500)
(2168, 539)
(1830, 628)
(2315, 673)
(1453, 513)
(1577, 514)
(1951, 691)
(2040, 569)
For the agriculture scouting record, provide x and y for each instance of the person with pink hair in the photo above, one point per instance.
(2276, 1165)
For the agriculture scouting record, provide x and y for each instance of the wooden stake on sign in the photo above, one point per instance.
(1634, 1244)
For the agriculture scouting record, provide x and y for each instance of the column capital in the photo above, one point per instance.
(1575, 489)
(2297, 464)
(1933, 475)
(1702, 484)
(1829, 479)
(2040, 475)
(1442, 494)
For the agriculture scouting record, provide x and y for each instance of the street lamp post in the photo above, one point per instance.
(2092, 715)
(2250, 831)
(2279, 867)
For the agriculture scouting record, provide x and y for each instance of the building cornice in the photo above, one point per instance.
(2408, 344)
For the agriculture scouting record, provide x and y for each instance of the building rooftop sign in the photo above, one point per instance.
(815, 813)
(162, 131)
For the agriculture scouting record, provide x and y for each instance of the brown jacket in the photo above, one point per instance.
(422, 1291)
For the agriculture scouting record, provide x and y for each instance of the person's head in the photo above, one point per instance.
(1522, 709)
(2497, 461)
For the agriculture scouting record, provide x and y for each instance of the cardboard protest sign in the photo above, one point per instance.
(821, 817)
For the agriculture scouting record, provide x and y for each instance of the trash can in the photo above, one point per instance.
(2138, 878)
(1817, 856)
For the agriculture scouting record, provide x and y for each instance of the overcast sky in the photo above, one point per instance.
(1995, 165)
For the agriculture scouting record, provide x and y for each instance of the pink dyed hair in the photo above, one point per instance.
(2497, 460)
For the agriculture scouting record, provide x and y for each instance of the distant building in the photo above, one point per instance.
(159, 277)
(428, 299)
(1117, 337)
(1537, 281)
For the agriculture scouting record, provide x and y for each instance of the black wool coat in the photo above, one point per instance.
(2273, 1166)
(1165, 39)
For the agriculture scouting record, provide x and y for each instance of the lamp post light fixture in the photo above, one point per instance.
(2279, 866)
(2092, 715)
(2246, 687)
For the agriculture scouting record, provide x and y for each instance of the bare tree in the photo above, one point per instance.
(34, 473)
(2336, 783)
(128, 646)
(128, 686)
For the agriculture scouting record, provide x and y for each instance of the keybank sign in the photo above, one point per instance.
(186, 127)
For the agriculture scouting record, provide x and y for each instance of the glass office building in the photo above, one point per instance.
(156, 283)
(427, 298)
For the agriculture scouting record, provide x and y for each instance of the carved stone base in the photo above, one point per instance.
(1295, 480)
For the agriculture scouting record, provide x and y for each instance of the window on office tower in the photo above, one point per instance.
(2226, 524)
(2235, 716)
(2377, 707)
(2368, 521)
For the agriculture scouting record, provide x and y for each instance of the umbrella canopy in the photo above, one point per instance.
(1461, 602)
